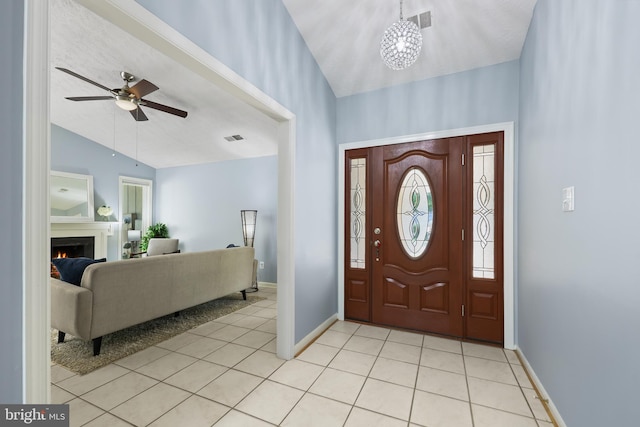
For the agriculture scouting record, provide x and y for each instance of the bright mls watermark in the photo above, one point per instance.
(34, 415)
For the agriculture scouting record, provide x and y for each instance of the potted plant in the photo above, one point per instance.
(154, 231)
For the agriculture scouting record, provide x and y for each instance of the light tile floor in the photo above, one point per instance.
(226, 373)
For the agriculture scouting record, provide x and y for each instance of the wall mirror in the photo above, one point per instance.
(71, 197)
(136, 204)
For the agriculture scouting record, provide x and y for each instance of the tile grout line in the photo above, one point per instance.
(466, 380)
(158, 381)
(227, 369)
(305, 392)
(415, 382)
(538, 395)
(533, 414)
(533, 417)
(324, 369)
(367, 377)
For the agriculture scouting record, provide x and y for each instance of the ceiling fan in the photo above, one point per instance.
(127, 98)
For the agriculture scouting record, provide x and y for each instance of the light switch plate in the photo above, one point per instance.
(568, 199)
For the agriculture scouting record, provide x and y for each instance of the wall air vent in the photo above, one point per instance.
(234, 138)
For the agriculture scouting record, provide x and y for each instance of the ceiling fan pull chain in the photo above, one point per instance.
(114, 131)
(137, 126)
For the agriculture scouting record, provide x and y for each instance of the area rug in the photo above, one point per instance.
(76, 354)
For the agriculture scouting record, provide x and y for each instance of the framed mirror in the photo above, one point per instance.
(71, 197)
(136, 209)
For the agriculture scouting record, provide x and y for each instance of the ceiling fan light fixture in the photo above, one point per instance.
(401, 44)
(126, 103)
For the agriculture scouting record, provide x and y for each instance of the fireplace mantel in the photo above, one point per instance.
(99, 230)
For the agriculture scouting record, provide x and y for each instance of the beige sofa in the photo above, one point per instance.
(119, 294)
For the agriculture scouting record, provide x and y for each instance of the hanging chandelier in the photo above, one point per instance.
(401, 43)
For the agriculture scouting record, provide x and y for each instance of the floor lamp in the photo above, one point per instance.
(249, 218)
(134, 237)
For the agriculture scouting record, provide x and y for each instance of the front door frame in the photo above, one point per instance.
(509, 210)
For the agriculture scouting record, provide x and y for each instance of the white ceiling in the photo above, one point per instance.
(84, 43)
(344, 37)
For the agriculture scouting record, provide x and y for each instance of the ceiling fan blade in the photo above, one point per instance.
(142, 88)
(88, 98)
(164, 108)
(139, 115)
(83, 78)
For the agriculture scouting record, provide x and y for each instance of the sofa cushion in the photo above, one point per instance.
(71, 269)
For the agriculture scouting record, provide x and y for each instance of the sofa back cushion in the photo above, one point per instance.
(128, 292)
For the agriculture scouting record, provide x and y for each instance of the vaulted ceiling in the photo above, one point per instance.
(343, 36)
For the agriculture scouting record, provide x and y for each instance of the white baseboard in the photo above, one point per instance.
(267, 284)
(554, 411)
(314, 334)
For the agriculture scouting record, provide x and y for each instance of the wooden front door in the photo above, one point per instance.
(424, 242)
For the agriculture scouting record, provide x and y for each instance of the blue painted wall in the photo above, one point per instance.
(260, 42)
(11, 182)
(73, 153)
(578, 102)
(578, 279)
(470, 98)
(201, 206)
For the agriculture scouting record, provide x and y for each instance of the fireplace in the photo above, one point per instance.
(99, 231)
(73, 247)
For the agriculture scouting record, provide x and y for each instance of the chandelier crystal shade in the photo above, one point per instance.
(401, 44)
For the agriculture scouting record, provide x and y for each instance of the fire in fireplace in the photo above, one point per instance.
(72, 247)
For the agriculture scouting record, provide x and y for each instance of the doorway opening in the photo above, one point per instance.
(133, 18)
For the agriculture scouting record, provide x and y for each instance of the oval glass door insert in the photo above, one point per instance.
(415, 213)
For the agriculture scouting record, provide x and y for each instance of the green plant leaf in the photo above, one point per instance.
(154, 231)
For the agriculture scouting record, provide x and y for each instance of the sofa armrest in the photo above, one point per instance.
(71, 308)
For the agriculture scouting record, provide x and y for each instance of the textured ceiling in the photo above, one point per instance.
(92, 47)
(344, 37)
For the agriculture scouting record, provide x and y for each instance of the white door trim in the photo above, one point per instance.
(139, 22)
(509, 210)
(36, 255)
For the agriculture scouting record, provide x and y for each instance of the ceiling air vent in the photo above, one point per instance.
(422, 20)
(234, 138)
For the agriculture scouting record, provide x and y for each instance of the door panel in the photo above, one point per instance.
(435, 298)
(358, 291)
(395, 294)
(417, 270)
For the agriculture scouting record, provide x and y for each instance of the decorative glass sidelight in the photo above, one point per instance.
(415, 213)
(358, 213)
(484, 160)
